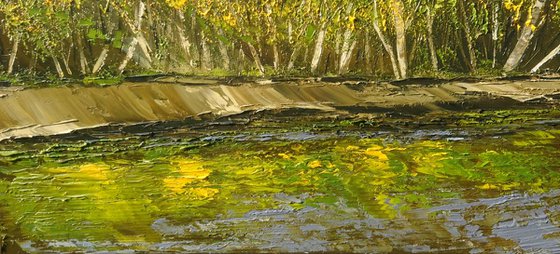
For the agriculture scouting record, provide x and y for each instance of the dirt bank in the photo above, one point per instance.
(49, 111)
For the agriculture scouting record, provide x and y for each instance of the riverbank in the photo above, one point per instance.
(59, 110)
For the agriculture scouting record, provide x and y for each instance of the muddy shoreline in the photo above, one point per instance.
(60, 110)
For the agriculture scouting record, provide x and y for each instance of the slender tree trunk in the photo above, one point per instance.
(256, 58)
(348, 45)
(185, 42)
(527, 34)
(225, 56)
(101, 59)
(400, 32)
(346, 53)
(495, 30)
(129, 54)
(368, 54)
(468, 36)
(293, 57)
(205, 55)
(57, 66)
(13, 54)
(547, 58)
(275, 51)
(276, 54)
(84, 65)
(222, 47)
(431, 45)
(462, 53)
(389, 49)
(318, 52)
(386, 45)
(138, 39)
(66, 60)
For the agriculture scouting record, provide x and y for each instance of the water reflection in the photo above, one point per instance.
(365, 195)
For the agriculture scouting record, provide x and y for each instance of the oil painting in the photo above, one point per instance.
(279, 126)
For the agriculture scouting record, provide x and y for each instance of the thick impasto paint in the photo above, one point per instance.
(279, 126)
(487, 182)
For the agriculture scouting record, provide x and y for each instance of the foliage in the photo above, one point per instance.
(199, 35)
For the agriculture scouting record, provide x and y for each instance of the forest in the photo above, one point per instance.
(381, 38)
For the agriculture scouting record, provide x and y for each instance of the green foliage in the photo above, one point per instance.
(171, 33)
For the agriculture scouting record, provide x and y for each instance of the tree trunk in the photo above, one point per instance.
(547, 58)
(348, 46)
(84, 65)
(138, 40)
(13, 55)
(388, 48)
(101, 60)
(318, 52)
(276, 54)
(400, 32)
(205, 54)
(185, 43)
(527, 34)
(462, 54)
(368, 54)
(293, 57)
(256, 58)
(272, 24)
(57, 66)
(468, 36)
(129, 54)
(66, 60)
(431, 45)
(495, 30)
(224, 53)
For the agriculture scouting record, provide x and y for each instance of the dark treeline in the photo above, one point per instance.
(400, 38)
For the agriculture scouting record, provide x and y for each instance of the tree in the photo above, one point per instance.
(527, 33)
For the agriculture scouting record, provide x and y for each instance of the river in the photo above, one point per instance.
(298, 180)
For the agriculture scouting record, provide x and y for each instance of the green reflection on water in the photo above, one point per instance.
(118, 197)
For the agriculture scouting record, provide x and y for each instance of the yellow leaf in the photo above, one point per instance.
(314, 164)
(488, 187)
(284, 156)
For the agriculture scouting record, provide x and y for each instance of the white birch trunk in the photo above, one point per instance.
(388, 48)
(527, 34)
(400, 32)
(84, 65)
(256, 58)
(318, 52)
(57, 67)
(293, 57)
(348, 45)
(13, 55)
(346, 53)
(66, 60)
(129, 55)
(495, 30)
(138, 40)
(547, 58)
(100, 60)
